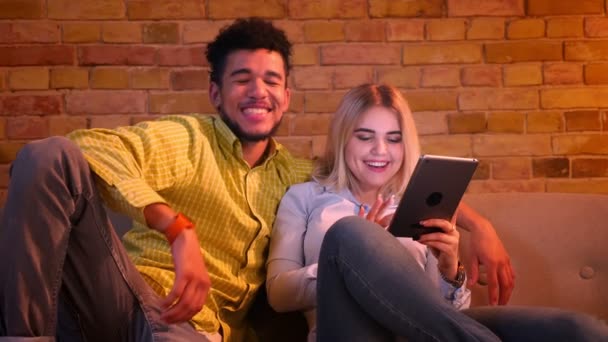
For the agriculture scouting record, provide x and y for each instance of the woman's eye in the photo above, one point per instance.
(394, 140)
(364, 137)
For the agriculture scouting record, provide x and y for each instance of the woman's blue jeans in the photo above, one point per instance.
(371, 289)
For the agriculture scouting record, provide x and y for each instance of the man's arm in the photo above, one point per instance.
(192, 282)
(488, 250)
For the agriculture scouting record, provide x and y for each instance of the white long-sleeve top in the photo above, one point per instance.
(305, 214)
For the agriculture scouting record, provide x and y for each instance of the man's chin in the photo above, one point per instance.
(249, 135)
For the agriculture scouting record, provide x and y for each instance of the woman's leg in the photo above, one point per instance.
(370, 287)
(519, 323)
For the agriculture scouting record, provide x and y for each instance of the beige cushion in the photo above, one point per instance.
(558, 245)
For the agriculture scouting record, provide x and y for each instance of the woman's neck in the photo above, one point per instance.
(366, 196)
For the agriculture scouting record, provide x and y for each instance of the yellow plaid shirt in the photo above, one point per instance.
(195, 164)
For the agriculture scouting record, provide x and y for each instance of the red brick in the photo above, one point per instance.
(564, 27)
(482, 75)
(29, 32)
(580, 144)
(81, 32)
(405, 30)
(544, 122)
(311, 124)
(182, 56)
(523, 51)
(553, 7)
(323, 31)
(109, 121)
(511, 168)
(526, 28)
(4, 176)
(441, 76)
(446, 29)
(432, 100)
(462, 8)
(349, 77)
(563, 73)
(597, 186)
(296, 102)
(365, 31)
(36, 55)
(313, 9)
(3, 79)
(2, 132)
(402, 77)
(109, 78)
(441, 53)
(27, 128)
(122, 32)
(22, 9)
(166, 9)
(522, 75)
(150, 78)
(322, 102)
(62, 125)
(596, 27)
(589, 167)
(596, 73)
(550, 167)
(449, 145)
(189, 79)
(16, 105)
(491, 186)
(360, 54)
(483, 170)
(69, 77)
(8, 151)
(586, 50)
(428, 123)
(161, 33)
(218, 9)
(319, 143)
(467, 123)
(574, 97)
(105, 102)
(484, 99)
(86, 9)
(312, 77)
(508, 145)
(181, 103)
(293, 29)
(117, 55)
(202, 31)
(300, 147)
(583, 120)
(305, 54)
(414, 8)
(506, 122)
(486, 28)
(29, 78)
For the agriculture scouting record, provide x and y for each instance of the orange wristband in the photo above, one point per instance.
(181, 222)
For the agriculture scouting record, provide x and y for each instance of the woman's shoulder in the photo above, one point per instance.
(307, 188)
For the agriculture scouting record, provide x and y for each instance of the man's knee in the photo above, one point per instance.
(45, 153)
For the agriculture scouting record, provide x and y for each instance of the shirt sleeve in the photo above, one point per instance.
(133, 164)
(460, 298)
(290, 284)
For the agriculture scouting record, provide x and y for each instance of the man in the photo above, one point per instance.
(202, 191)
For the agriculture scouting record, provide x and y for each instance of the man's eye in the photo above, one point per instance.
(241, 81)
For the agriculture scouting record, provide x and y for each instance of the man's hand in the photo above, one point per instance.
(192, 282)
(487, 249)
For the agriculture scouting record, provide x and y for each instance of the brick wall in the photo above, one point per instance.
(521, 85)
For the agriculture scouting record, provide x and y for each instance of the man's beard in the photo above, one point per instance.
(244, 136)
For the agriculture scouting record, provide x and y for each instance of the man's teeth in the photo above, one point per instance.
(377, 164)
(253, 111)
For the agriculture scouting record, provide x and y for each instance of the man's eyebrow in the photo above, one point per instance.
(240, 72)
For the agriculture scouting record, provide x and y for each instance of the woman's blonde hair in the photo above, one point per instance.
(331, 169)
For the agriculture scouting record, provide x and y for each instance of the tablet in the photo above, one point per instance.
(434, 191)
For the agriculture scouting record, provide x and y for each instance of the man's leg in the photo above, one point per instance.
(56, 241)
(370, 287)
(518, 323)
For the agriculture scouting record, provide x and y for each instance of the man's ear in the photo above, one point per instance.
(215, 95)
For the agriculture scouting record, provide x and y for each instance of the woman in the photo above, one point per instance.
(372, 286)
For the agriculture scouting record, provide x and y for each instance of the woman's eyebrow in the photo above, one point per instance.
(366, 130)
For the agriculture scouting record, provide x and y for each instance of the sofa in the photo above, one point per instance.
(558, 245)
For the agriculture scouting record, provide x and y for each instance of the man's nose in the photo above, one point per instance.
(257, 89)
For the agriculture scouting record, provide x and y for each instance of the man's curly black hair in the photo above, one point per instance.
(246, 34)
